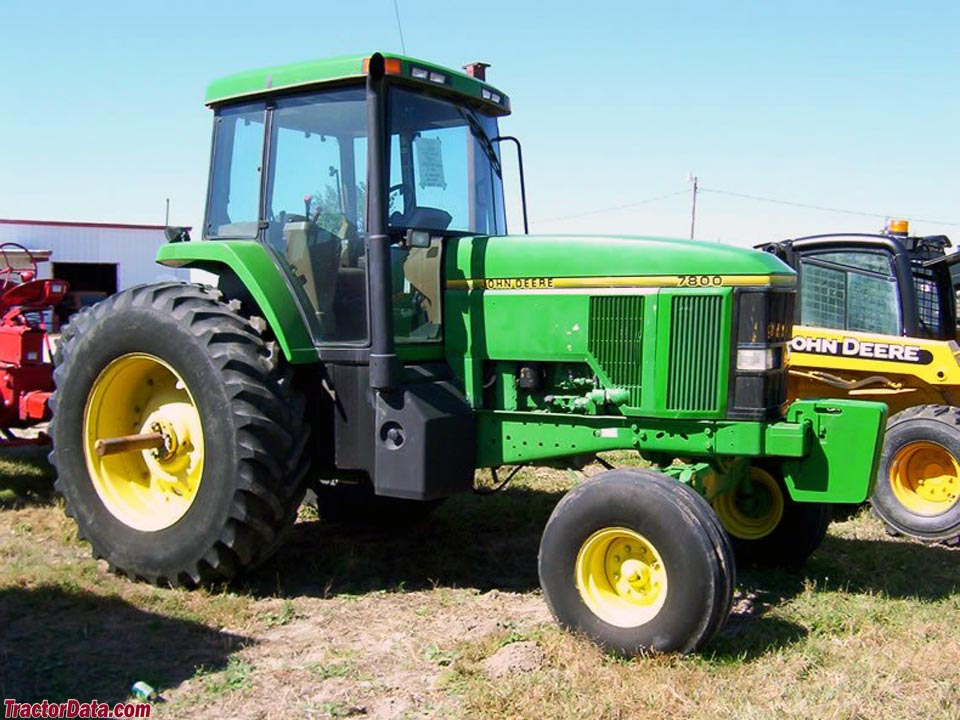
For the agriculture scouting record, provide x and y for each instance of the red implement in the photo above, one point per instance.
(26, 363)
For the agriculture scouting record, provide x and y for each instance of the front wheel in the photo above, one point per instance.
(766, 525)
(637, 561)
(178, 436)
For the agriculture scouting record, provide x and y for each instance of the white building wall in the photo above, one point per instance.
(132, 249)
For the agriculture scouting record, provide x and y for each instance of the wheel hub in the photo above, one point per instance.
(621, 577)
(170, 441)
(752, 511)
(146, 488)
(925, 478)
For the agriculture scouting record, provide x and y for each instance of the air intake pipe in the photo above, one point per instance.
(384, 366)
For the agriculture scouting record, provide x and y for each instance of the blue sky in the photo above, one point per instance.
(848, 105)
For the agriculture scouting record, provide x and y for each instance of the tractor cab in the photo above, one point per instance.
(888, 283)
(298, 171)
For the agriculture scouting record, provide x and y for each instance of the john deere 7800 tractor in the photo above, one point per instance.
(375, 327)
(877, 320)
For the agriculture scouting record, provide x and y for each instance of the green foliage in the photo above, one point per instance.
(235, 676)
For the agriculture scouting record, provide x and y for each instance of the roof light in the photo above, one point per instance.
(898, 226)
(488, 95)
(392, 66)
(432, 75)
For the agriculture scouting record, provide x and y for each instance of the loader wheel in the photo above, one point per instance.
(637, 561)
(918, 485)
(766, 525)
(210, 498)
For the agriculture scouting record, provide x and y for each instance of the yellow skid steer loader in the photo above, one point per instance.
(877, 320)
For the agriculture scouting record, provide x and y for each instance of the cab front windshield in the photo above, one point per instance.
(293, 174)
(444, 169)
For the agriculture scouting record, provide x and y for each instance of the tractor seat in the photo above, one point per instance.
(34, 294)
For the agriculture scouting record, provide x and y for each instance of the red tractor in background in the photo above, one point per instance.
(26, 357)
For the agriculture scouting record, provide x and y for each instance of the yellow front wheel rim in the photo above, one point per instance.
(147, 490)
(925, 478)
(621, 577)
(755, 512)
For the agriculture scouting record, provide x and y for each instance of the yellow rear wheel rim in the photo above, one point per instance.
(925, 478)
(144, 489)
(621, 577)
(755, 512)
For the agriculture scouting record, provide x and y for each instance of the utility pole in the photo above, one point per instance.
(693, 205)
(166, 218)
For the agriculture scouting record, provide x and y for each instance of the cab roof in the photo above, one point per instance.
(270, 80)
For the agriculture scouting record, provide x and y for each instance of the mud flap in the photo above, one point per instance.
(846, 437)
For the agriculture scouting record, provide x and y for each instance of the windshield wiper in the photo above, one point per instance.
(476, 129)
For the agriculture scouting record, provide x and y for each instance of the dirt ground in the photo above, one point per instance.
(447, 621)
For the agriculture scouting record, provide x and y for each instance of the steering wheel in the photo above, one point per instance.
(7, 269)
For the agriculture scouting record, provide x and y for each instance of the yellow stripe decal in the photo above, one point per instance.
(622, 281)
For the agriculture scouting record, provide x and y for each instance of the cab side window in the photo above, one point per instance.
(850, 290)
(417, 296)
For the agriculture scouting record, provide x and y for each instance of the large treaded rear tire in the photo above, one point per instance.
(937, 424)
(677, 523)
(253, 432)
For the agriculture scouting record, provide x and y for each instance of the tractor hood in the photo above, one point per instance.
(617, 260)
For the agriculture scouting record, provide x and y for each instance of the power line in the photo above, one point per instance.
(822, 208)
(746, 196)
(613, 208)
(396, 9)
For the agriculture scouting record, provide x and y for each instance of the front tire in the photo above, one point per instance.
(918, 483)
(636, 561)
(214, 500)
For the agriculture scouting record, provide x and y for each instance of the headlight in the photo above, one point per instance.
(758, 359)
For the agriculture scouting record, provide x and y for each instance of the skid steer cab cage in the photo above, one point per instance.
(917, 267)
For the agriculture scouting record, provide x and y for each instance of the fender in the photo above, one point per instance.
(256, 269)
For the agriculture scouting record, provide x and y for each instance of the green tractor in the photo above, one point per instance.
(377, 336)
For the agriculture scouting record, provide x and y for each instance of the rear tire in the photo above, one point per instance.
(918, 483)
(251, 462)
(636, 561)
(768, 527)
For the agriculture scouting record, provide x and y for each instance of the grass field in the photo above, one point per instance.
(347, 623)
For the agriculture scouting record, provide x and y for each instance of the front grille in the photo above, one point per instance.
(695, 339)
(615, 339)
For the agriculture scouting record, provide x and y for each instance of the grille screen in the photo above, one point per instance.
(695, 336)
(824, 300)
(615, 339)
